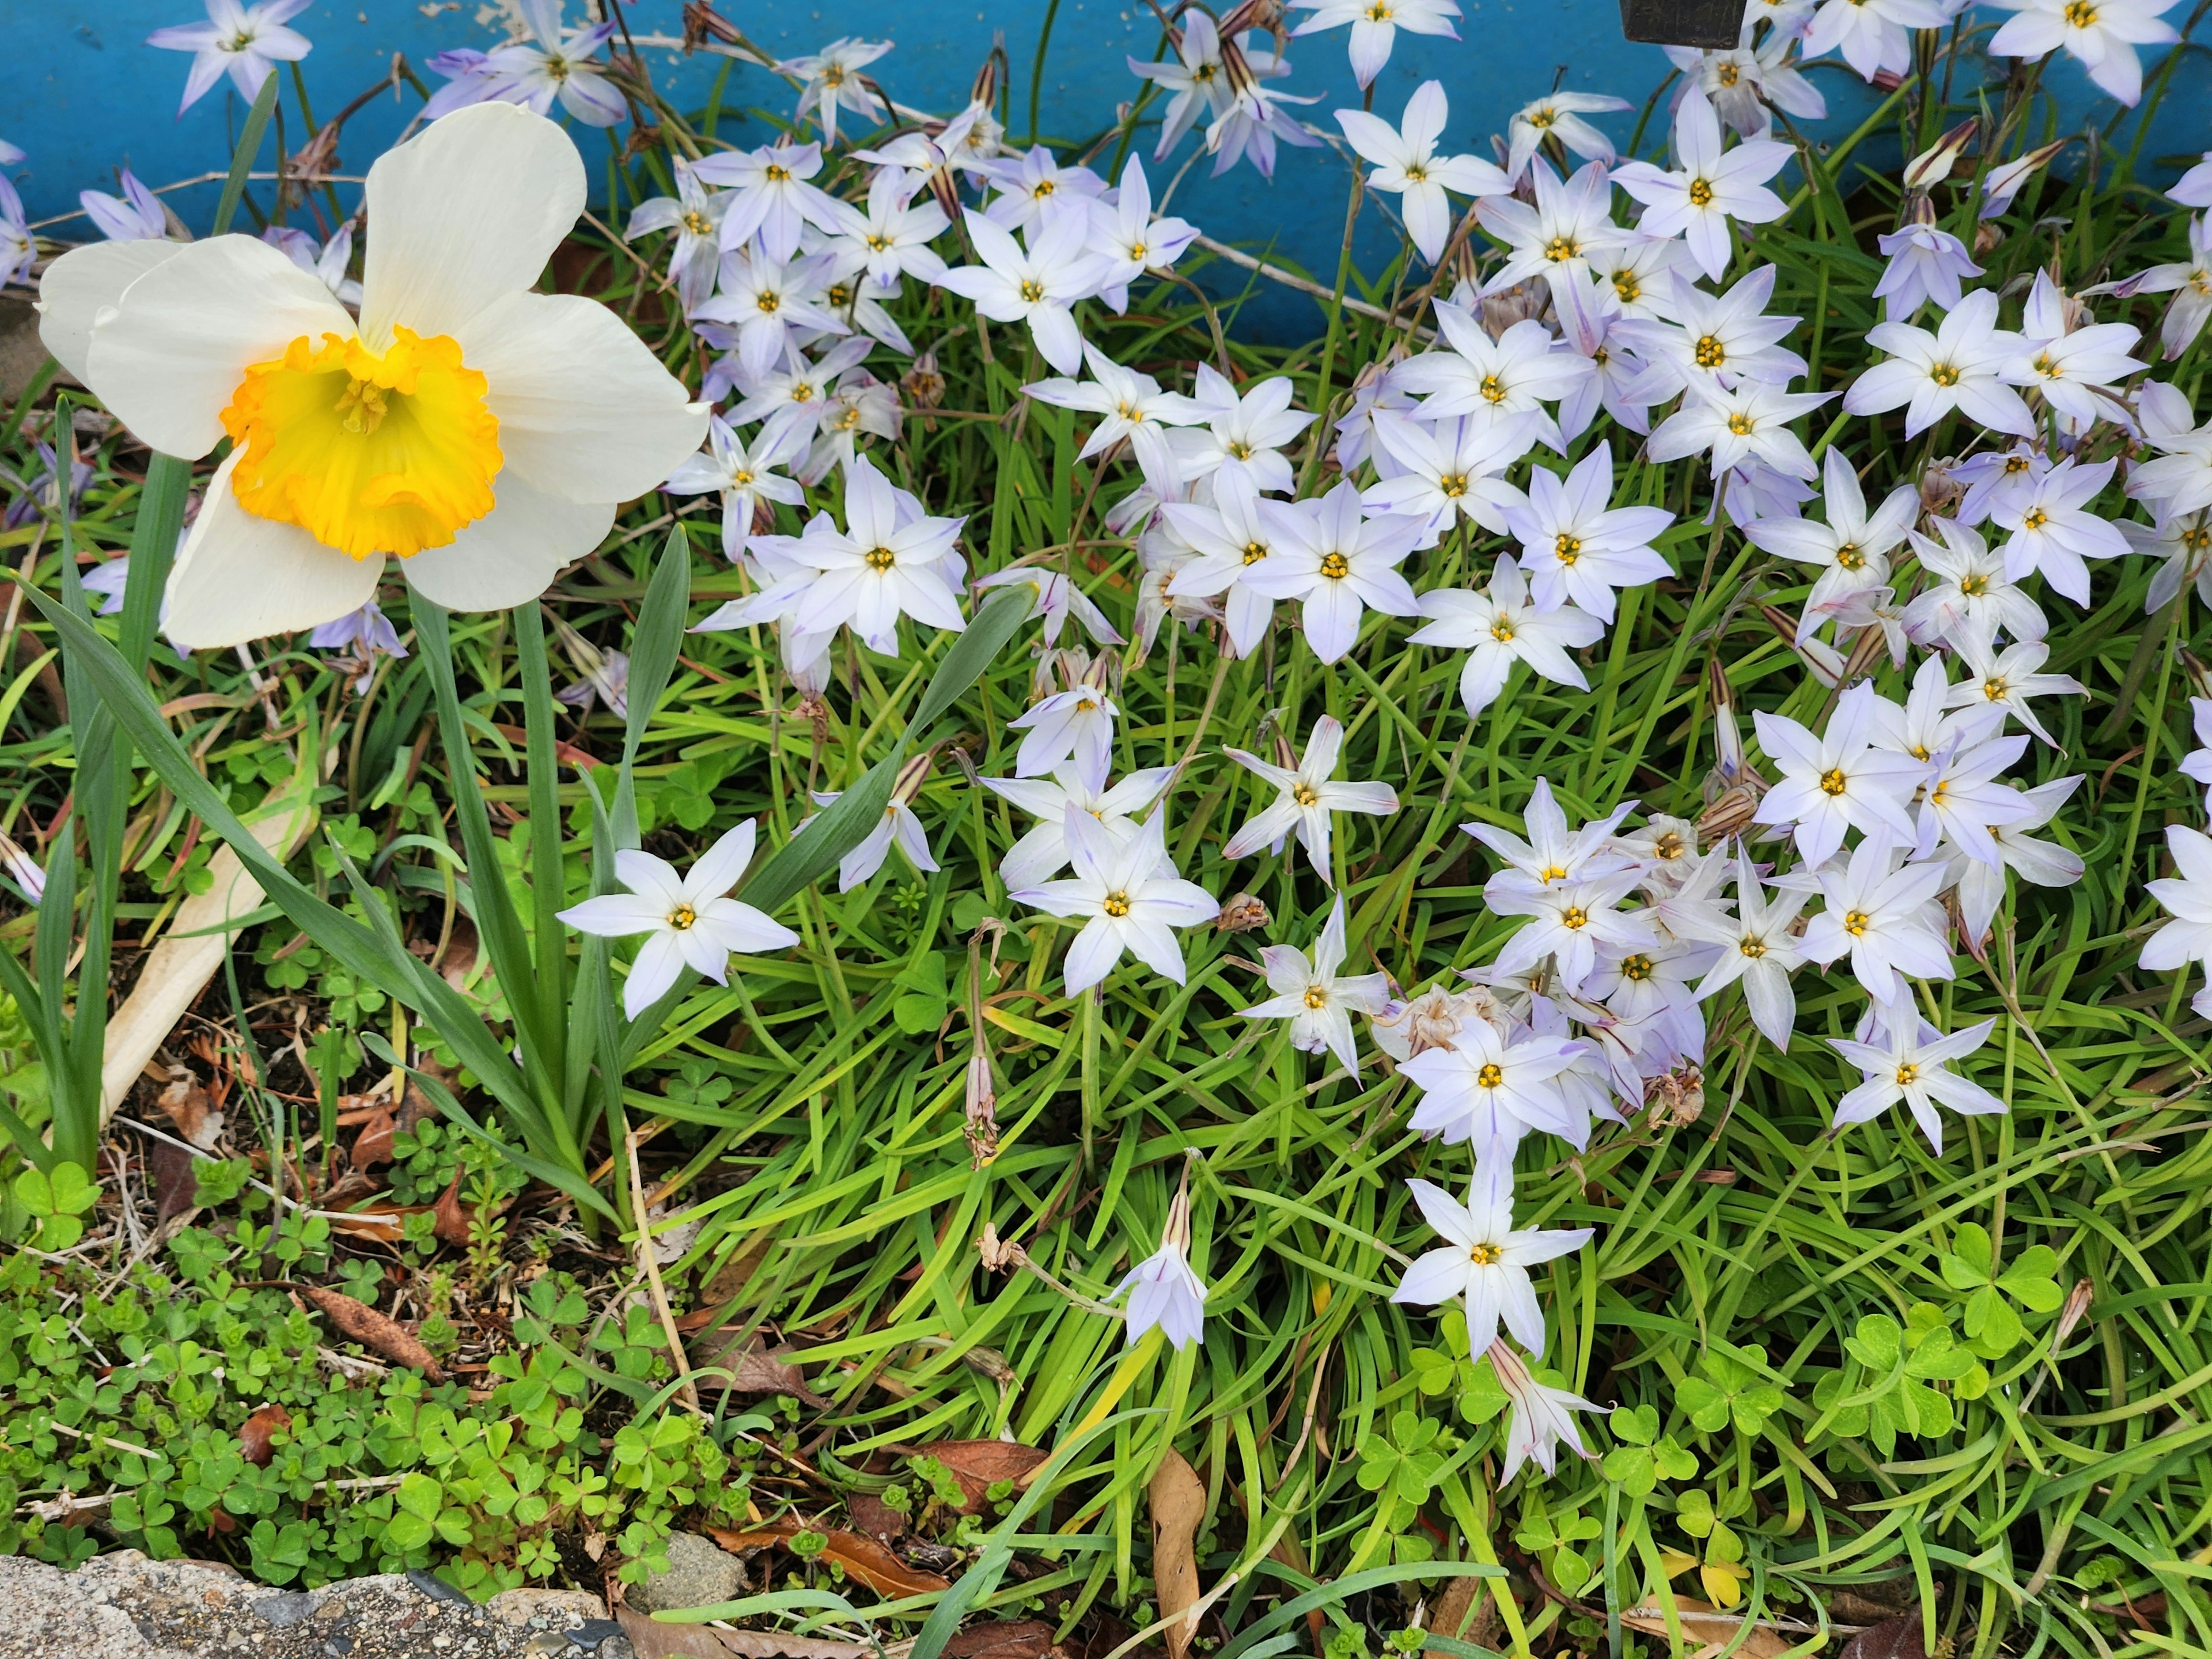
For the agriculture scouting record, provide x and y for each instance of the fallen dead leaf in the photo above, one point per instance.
(658, 1641)
(723, 1287)
(753, 1368)
(979, 1465)
(372, 1329)
(863, 1559)
(196, 1117)
(1713, 1628)
(384, 1222)
(1011, 1639)
(1901, 1638)
(1178, 1504)
(254, 1435)
(875, 1517)
(176, 1181)
(1453, 1613)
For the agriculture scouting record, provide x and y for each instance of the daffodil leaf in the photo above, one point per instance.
(839, 827)
(659, 637)
(963, 663)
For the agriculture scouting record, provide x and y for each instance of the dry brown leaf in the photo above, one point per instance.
(1454, 1611)
(384, 1222)
(1178, 1503)
(979, 1465)
(176, 1180)
(1901, 1638)
(875, 1517)
(255, 1433)
(372, 1329)
(730, 1279)
(753, 1368)
(1015, 1638)
(1713, 1627)
(656, 1641)
(863, 1559)
(197, 1119)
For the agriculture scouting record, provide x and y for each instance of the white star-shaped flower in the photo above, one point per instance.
(1305, 798)
(1318, 1000)
(1484, 1260)
(1129, 894)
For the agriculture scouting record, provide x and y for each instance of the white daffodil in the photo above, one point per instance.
(1758, 950)
(1884, 916)
(1129, 895)
(1851, 550)
(1837, 781)
(1484, 1262)
(1375, 26)
(1035, 284)
(1560, 117)
(1079, 721)
(245, 42)
(891, 560)
(1745, 423)
(1490, 1089)
(1501, 626)
(1958, 366)
(1164, 1292)
(1576, 547)
(1711, 187)
(2101, 35)
(1317, 1000)
(481, 433)
(2008, 678)
(1043, 853)
(1442, 471)
(1912, 1064)
(743, 478)
(1338, 563)
(832, 77)
(690, 919)
(1541, 1417)
(1406, 165)
(1305, 798)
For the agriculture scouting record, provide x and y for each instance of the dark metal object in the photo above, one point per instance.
(1713, 25)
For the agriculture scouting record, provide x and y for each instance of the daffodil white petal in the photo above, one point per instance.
(513, 553)
(83, 283)
(240, 577)
(586, 410)
(174, 350)
(465, 213)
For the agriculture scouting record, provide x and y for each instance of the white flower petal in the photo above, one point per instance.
(513, 553)
(240, 577)
(586, 410)
(169, 357)
(85, 281)
(466, 212)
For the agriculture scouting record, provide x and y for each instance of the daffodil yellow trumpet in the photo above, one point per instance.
(482, 434)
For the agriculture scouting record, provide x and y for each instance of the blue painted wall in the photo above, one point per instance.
(80, 92)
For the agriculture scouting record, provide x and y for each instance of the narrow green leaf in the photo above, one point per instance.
(659, 635)
(972, 653)
(837, 831)
(241, 161)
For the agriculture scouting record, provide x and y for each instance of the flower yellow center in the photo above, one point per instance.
(1848, 556)
(1136, 250)
(1637, 969)
(1701, 193)
(682, 918)
(1493, 389)
(1335, 566)
(1454, 484)
(1742, 424)
(1855, 922)
(1117, 903)
(1944, 374)
(1974, 586)
(1907, 1075)
(1625, 286)
(2014, 465)
(367, 454)
(834, 75)
(1489, 1077)
(1032, 291)
(1315, 998)
(1483, 1256)
(776, 175)
(1728, 74)
(1253, 552)
(1305, 794)
(878, 241)
(1377, 13)
(1995, 688)
(697, 224)
(879, 558)
(1560, 249)
(1711, 353)
(1502, 631)
(1541, 118)
(1416, 172)
(1754, 948)
(1044, 188)
(768, 300)
(2034, 519)
(2196, 540)
(1833, 780)
(2081, 13)
(1567, 548)
(1574, 918)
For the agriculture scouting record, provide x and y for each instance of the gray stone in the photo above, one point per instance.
(593, 1635)
(546, 1609)
(288, 1609)
(700, 1574)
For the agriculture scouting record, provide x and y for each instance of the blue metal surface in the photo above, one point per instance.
(80, 92)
